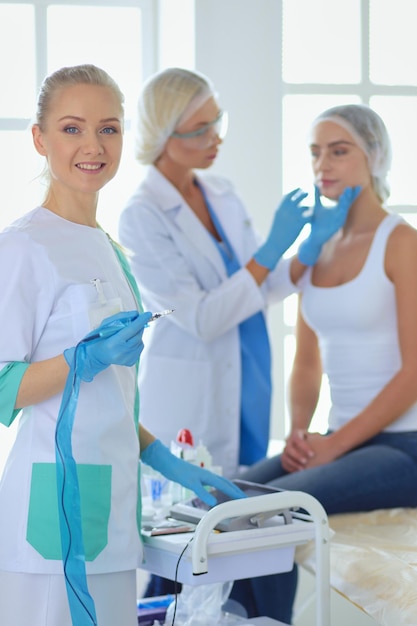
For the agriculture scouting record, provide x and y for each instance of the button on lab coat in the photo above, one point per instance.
(190, 372)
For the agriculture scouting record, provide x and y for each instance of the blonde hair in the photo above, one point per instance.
(75, 75)
(168, 98)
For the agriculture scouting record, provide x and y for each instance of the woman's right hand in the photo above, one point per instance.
(297, 453)
(117, 341)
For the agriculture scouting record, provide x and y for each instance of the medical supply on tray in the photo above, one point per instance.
(184, 448)
(156, 493)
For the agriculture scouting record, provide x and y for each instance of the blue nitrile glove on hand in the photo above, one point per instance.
(117, 341)
(188, 475)
(286, 226)
(325, 223)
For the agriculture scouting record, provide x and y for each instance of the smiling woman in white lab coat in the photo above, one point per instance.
(60, 278)
(194, 249)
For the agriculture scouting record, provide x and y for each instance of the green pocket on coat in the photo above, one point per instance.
(43, 531)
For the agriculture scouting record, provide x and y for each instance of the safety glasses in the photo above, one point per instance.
(204, 136)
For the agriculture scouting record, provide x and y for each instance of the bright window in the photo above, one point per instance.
(17, 39)
(315, 53)
(392, 42)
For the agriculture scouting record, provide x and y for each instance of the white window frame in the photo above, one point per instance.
(148, 37)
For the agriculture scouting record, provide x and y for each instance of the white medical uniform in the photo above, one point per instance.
(190, 376)
(58, 280)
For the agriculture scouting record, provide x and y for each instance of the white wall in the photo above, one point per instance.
(238, 45)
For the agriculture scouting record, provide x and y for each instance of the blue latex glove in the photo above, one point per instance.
(286, 226)
(190, 476)
(117, 341)
(325, 223)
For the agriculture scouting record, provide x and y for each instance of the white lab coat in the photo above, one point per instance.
(49, 269)
(190, 372)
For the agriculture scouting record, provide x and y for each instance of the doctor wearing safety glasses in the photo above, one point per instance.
(193, 248)
(207, 134)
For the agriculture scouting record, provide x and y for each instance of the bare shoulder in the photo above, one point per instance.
(403, 235)
(401, 250)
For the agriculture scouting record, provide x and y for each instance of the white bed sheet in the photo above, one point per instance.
(373, 562)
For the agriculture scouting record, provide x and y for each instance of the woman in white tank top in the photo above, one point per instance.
(356, 324)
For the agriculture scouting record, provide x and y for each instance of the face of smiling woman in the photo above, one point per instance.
(81, 140)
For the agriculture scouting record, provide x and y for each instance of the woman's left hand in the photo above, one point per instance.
(297, 451)
(323, 448)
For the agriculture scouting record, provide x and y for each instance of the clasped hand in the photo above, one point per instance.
(117, 341)
(304, 450)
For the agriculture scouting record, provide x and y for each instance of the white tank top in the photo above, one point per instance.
(356, 325)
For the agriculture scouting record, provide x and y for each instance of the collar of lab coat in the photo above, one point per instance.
(168, 195)
(170, 199)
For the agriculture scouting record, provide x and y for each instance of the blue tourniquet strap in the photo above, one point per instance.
(81, 603)
(69, 505)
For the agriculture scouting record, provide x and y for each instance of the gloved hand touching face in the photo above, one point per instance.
(286, 226)
(325, 223)
(190, 476)
(117, 341)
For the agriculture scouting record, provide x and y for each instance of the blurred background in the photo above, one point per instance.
(275, 64)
